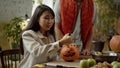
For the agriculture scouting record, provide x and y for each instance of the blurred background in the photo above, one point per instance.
(14, 15)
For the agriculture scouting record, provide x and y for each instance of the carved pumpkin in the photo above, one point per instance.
(70, 52)
(115, 43)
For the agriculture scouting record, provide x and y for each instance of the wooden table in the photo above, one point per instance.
(64, 64)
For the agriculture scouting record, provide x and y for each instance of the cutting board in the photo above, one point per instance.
(64, 63)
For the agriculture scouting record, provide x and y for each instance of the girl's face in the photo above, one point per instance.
(46, 21)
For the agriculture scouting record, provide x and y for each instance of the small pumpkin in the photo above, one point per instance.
(70, 52)
(115, 43)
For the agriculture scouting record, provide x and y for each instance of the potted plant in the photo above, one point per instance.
(13, 31)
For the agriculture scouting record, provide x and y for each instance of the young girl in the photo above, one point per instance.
(38, 39)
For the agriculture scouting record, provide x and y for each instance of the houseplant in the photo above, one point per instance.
(13, 31)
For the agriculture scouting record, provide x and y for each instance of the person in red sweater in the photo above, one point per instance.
(76, 17)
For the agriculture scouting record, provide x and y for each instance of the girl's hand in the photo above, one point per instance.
(67, 38)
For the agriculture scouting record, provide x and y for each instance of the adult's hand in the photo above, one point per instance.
(86, 52)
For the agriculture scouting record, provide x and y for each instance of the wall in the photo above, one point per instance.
(3, 40)
(14, 8)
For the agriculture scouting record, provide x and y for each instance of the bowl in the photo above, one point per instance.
(108, 56)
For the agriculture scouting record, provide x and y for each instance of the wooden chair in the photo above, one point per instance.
(10, 58)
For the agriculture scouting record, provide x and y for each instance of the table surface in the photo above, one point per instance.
(63, 64)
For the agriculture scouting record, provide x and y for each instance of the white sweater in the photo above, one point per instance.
(38, 49)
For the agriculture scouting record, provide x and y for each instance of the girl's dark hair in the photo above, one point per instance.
(34, 24)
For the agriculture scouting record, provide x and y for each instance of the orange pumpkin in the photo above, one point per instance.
(115, 43)
(70, 52)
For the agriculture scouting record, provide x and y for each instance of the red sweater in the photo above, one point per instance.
(68, 13)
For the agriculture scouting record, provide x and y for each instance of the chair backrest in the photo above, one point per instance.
(21, 46)
(10, 58)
